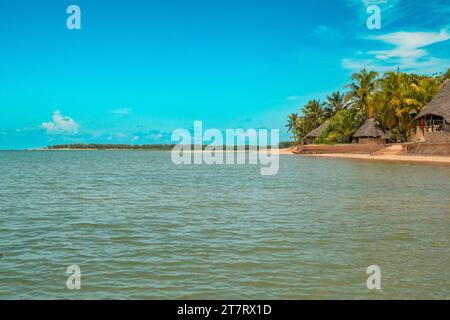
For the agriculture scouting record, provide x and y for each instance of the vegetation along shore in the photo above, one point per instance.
(148, 147)
(391, 102)
(396, 117)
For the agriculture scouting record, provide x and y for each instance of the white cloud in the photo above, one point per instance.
(122, 111)
(61, 124)
(408, 53)
(135, 138)
(408, 45)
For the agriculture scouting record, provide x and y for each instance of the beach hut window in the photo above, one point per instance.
(435, 124)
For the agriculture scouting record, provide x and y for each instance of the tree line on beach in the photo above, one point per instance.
(392, 99)
(98, 146)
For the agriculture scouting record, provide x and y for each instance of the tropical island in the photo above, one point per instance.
(391, 114)
(99, 146)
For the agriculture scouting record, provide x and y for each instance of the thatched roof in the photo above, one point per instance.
(370, 130)
(318, 131)
(440, 105)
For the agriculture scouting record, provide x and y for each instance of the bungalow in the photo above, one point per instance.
(433, 123)
(313, 135)
(370, 133)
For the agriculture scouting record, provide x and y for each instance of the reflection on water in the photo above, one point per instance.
(140, 227)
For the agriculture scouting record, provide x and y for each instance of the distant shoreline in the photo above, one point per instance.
(100, 146)
(93, 149)
(146, 147)
(280, 151)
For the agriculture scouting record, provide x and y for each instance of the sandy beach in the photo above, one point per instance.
(435, 160)
(390, 153)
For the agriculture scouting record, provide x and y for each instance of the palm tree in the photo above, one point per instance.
(362, 89)
(384, 114)
(344, 124)
(292, 122)
(314, 113)
(298, 126)
(335, 103)
(398, 103)
(424, 89)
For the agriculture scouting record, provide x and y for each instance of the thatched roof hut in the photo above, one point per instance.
(440, 105)
(370, 132)
(434, 120)
(313, 135)
(318, 131)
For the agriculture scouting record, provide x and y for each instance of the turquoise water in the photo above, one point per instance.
(140, 227)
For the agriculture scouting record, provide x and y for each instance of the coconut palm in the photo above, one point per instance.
(423, 90)
(298, 126)
(314, 113)
(292, 122)
(398, 103)
(384, 113)
(344, 124)
(335, 103)
(362, 90)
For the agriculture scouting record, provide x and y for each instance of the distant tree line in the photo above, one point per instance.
(98, 146)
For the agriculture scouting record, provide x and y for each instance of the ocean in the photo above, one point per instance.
(140, 227)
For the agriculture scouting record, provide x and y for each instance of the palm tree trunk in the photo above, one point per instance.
(399, 131)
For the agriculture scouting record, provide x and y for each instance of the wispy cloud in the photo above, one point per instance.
(60, 124)
(122, 111)
(408, 52)
(293, 98)
(408, 45)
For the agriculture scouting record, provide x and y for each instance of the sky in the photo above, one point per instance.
(137, 70)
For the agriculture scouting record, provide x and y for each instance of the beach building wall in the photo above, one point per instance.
(370, 140)
(429, 149)
(437, 137)
(339, 149)
(370, 133)
(433, 123)
(417, 135)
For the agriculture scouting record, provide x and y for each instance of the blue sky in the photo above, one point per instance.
(137, 70)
